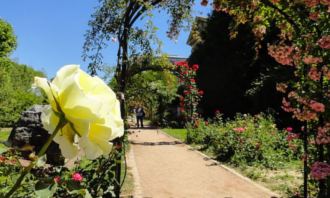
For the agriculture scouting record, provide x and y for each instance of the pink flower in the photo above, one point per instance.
(323, 134)
(312, 60)
(57, 179)
(324, 42)
(316, 106)
(314, 74)
(201, 92)
(314, 16)
(77, 177)
(192, 80)
(289, 129)
(282, 54)
(292, 136)
(320, 170)
(312, 3)
(239, 129)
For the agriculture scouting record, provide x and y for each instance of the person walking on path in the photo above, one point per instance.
(139, 116)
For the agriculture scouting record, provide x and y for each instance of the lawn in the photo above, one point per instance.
(180, 134)
(4, 133)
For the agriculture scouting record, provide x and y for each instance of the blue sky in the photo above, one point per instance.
(51, 33)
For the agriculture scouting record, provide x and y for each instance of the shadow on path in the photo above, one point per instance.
(155, 143)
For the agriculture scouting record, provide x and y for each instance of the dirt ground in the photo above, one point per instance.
(164, 167)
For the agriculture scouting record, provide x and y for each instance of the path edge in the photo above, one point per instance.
(261, 187)
(137, 192)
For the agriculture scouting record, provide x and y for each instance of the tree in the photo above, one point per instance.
(116, 19)
(304, 47)
(152, 83)
(16, 94)
(234, 77)
(7, 39)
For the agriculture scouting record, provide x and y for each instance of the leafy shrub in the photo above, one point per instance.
(246, 140)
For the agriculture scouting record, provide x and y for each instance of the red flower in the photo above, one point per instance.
(289, 129)
(77, 177)
(192, 80)
(181, 63)
(57, 179)
(195, 67)
(201, 92)
(186, 92)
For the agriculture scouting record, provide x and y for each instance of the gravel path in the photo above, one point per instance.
(164, 167)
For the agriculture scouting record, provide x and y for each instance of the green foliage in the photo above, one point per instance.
(97, 179)
(15, 90)
(180, 134)
(7, 39)
(152, 84)
(246, 140)
(114, 20)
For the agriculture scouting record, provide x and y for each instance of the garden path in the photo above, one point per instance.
(164, 167)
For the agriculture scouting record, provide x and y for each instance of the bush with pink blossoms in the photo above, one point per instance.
(247, 140)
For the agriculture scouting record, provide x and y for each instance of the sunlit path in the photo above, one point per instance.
(168, 168)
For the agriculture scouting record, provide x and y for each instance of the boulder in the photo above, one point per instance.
(29, 135)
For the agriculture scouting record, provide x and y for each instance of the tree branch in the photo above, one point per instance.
(285, 15)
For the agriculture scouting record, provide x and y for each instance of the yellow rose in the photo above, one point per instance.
(90, 107)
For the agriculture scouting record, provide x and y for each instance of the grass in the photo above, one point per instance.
(180, 134)
(281, 181)
(128, 186)
(4, 134)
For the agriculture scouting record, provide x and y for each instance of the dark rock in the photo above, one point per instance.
(28, 133)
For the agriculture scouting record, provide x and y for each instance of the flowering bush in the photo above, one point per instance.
(302, 45)
(191, 94)
(247, 140)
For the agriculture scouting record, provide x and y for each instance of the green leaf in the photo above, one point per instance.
(47, 192)
(3, 149)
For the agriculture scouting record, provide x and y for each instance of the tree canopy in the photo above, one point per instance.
(7, 39)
